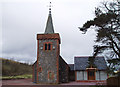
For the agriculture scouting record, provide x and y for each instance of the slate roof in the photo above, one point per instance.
(49, 26)
(71, 66)
(81, 63)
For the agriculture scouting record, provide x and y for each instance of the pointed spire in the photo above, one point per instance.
(49, 26)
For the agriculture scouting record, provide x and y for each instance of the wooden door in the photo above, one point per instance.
(91, 74)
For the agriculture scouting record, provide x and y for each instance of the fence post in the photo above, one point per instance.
(119, 81)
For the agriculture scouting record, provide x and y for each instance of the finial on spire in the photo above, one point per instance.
(49, 26)
(50, 8)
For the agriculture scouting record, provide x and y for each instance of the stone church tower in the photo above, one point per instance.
(47, 68)
(50, 67)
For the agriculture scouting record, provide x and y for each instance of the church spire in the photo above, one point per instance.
(49, 26)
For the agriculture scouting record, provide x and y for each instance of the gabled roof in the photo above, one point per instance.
(81, 63)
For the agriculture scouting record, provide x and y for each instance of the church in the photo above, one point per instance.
(50, 67)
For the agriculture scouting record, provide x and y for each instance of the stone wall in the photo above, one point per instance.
(63, 71)
(48, 62)
(71, 75)
(34, 77)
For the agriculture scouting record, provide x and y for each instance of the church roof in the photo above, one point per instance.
(49, 26)
(81, 63)
(71, 66)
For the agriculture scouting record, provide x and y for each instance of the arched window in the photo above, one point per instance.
(47, 46)
(40, 69)
(50, 75)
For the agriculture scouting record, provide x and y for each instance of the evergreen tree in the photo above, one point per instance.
(107, 25)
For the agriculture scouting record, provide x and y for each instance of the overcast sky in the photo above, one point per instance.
(22, 20)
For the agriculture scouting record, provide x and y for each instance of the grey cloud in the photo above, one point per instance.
(22, 21)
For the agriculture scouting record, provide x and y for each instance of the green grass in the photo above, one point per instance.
(16, 77)
(12, 68)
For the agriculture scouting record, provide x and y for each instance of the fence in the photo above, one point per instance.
(113, 81)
